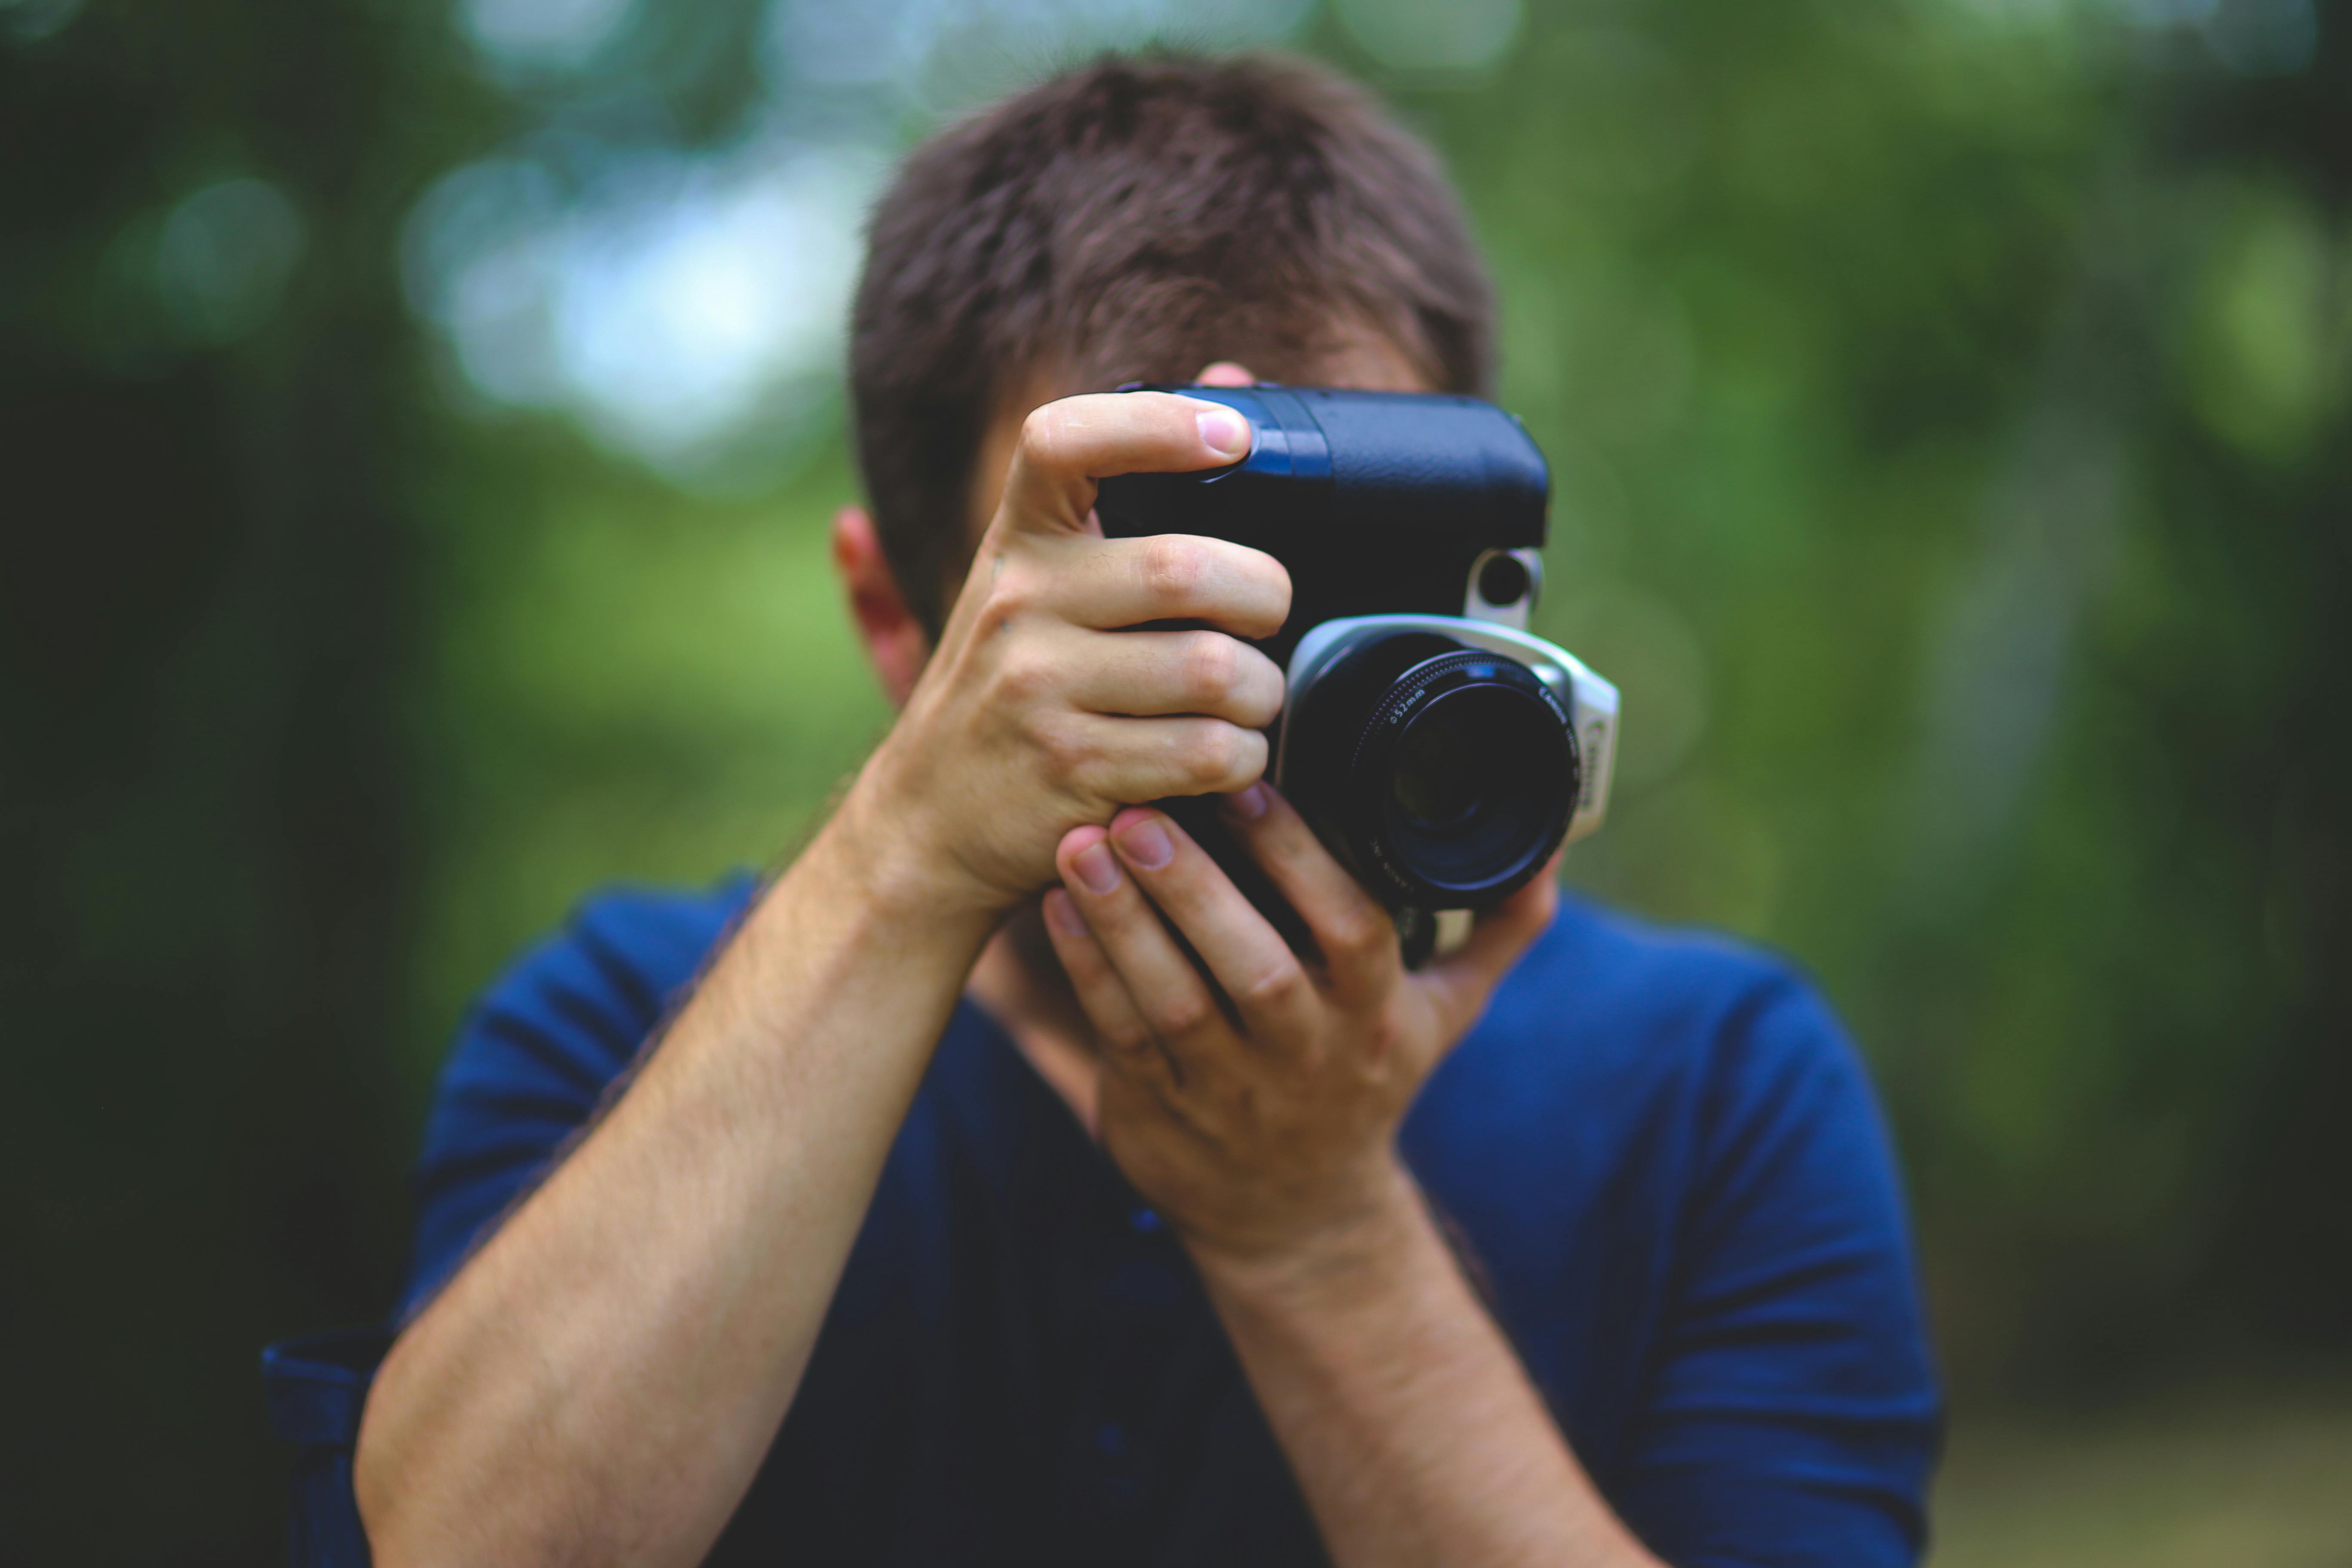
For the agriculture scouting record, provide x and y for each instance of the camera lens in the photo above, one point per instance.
(1466, 783)
(1445, 775)
(1434, 776)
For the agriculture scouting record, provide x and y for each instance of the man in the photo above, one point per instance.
(939, 1222)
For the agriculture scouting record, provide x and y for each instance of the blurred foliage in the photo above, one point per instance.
(1947, 401)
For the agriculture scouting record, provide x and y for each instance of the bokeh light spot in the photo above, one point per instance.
(224, 258)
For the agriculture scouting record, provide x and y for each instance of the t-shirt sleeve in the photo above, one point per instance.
(1792, 1415)
(535, 1057)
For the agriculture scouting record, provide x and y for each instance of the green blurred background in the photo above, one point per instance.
(420, 424)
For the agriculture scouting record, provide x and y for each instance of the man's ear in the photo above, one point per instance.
(893, 639)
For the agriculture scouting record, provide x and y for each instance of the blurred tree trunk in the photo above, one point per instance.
(2284, 1265)
(206, 575)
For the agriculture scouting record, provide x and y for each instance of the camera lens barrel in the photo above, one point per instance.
(1447, 775)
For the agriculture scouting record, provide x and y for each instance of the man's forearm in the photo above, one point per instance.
(600, 1382)
(1410, 1424)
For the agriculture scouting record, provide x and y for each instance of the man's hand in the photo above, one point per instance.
(1260, 1116)
(1037, 713)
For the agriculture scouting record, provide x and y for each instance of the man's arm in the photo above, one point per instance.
(1412, 1430)
(1262, 1125)
(599, 1382)
(1790, 1412)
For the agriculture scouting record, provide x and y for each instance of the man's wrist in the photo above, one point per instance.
(860, 881)
(880, 844)
(1346, 1263)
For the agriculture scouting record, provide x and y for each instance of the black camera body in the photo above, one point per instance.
(1441, 750)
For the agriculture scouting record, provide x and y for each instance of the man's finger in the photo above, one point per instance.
(1102, 994)
(1115, 583)
(1151, 674)
(1065, 447)
(1174, 1002)
(1124, 761)
(1356, 936)
(1244, 954)
(1465, 978)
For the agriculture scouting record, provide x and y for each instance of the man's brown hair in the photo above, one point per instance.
(1133, 220)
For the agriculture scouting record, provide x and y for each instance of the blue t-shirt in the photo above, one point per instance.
(1657, 1153)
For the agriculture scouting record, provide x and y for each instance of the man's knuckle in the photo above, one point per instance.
(1062, 744)
(1275, 988)
(1213, 667)
(1358, 933)
(1214, 754)
(1173, 567)
(1044, 434)
(1022, 678)
(1127, 1038)
(1007, 607)
(1019, 581)
(1179, 1016)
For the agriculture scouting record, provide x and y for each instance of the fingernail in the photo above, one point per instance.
(1249, 805)
(1147, 844)
(1097, 868)
(1062, 911)
(1225, 431)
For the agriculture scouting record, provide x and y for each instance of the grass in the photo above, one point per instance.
(2219, 1480)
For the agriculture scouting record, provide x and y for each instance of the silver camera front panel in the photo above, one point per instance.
(1590, 701)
